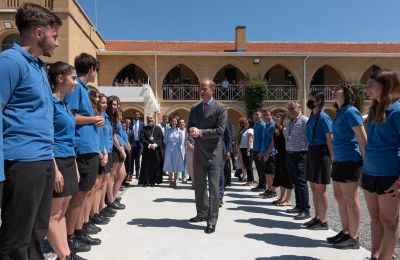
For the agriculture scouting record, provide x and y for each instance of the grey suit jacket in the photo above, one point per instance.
(208, 148)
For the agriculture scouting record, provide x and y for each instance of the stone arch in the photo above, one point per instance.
(229, 61)
(367, 72)
(182, 109)
(325, 64)
(233, 74)
(131, 72)
(114, 70)
(8, 39)
(163, 71)
(181, 71)
(289, 66)
(129, 109)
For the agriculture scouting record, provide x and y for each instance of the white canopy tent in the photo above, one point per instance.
(142, 94)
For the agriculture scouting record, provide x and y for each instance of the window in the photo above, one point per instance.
(9, 40)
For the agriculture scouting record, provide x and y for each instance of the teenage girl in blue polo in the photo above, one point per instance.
(349, 140)
(62, 77)
(382, 162)
(319, 152)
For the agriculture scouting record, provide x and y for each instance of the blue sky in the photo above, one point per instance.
(266, 20)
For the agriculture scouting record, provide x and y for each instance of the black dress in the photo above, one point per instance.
(281, 178)
(151, 167)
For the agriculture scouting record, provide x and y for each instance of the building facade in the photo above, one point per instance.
(173, 69)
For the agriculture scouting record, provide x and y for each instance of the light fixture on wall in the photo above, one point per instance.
(256, 61)
(8, 25)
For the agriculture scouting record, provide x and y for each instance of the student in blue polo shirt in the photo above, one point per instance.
(268, 155)
(87, 150)
(107, 136)
(259, 126)
(62, 77)
(349, 139)
(27, 134)
(1, 155)
(319, 151)
(118, 153)
(382, 162)
(92, 215)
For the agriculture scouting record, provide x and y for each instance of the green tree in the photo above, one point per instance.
(256, 91)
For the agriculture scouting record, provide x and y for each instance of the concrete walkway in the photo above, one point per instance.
(154, 226)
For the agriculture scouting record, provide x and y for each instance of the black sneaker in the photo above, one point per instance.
(107, 214)
(257, 189)
(311, 222)
(348, 243)
(77, 257)
(110, 210)
(318, 226)
(336, 238)
(75, 245)
(262, 194)
(93, 226)
(270, 195)
(116, 206)
(120, 204)
(98, 220)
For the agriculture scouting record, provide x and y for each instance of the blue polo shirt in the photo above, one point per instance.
(64, 130)
(102, 138)
(268, 136)
(1, 147)
(382, 151)
(85, 135)
(108, 132)
(118, 133)
(345, 145)
(125, 139)
(324, 126)
(258, 136)
(28, 115)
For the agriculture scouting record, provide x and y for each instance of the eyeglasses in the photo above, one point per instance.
(291, 108)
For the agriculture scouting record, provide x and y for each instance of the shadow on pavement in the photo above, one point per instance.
(178, 187)
(174, 200)
(269, 223)
(286, 240)
(287, 257)
(250, 202)
(240, 196)
(163, 223)
(266, 211)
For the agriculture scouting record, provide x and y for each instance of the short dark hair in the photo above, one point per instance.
(32, 15)
(84, 62)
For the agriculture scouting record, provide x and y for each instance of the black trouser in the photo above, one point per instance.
(135, 159)
(248, 164)
(227, 172)
(26, 207)
(260, 169)
(296, 167)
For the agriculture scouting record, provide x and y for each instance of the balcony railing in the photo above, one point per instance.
(281, 92)
(191, 92)
(327, 89)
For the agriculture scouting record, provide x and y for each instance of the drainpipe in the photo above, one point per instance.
(156, 75)
(304, 103)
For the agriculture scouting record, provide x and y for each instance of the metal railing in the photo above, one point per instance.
(327, 89)
(191, 92)
(281, 92)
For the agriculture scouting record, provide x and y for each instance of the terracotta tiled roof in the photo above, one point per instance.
(267, 47)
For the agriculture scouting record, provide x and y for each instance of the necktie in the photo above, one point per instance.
(205, 106)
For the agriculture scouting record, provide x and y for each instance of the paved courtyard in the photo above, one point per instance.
(154, 226)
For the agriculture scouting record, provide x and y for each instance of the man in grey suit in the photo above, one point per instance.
(206, 125)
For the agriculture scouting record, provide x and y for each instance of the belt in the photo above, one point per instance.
(296, 152)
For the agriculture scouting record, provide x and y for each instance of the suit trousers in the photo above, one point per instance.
(296, 167)
(135, 160)
(260, 170)
(207, 204)
(25, 210)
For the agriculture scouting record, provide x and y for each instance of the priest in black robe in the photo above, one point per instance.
(152, 139)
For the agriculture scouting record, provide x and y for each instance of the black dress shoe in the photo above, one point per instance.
(75, 245)
(209, 229)
(98, 220)
(88, 240)
(88, 229)
(293, 210)
(107, 214)
(110, 210)
(302, 215)
(116, 206)
(197, 219)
